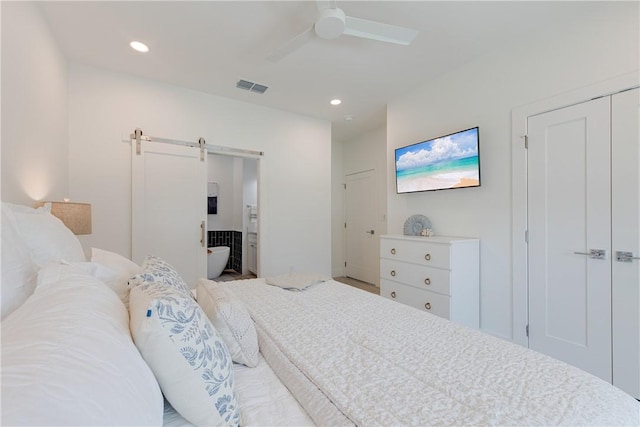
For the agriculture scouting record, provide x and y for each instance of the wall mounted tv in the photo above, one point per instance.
(449, 161)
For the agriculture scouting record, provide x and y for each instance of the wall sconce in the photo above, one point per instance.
(76, 216)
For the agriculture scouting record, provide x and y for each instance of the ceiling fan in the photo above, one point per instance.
(332, 22)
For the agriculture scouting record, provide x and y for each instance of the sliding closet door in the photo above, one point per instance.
(625, 226)
(169, 201)
(569, 222)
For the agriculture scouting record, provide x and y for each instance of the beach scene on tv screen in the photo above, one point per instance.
(447, 162)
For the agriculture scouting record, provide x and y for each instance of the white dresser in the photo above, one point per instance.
(437, 274)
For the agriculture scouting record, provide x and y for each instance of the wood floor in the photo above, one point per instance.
(229, 275)
(358, 284)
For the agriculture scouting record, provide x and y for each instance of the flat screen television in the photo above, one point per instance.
(449, 161)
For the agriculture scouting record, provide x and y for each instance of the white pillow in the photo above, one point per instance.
(296, 281)
(186, 354)
(53, 272)
(232, 320)
(47, 238)
(68, 359)
(19, 272)
(123, 267)
(155, 269)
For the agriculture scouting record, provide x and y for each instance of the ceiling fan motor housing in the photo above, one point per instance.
(330, 23)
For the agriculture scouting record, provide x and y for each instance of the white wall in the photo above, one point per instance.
(249, 186)
(249, 197)
(368, 152)
(221, 169)
(483, 93)
(34, 108)
(295, 172)
(337, 237)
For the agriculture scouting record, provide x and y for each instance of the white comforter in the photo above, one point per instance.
(384, 363)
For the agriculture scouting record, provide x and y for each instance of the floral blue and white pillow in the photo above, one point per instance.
(185, 352)
(155, 269)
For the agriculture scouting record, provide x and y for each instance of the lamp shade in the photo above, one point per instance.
(76, 216)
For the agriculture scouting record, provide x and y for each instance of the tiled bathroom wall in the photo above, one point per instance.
(230, 238)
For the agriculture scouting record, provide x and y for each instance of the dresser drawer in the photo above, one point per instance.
(424, 300)
(416, 251)
(419, 276)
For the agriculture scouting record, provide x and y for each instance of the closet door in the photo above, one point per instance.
(569, 221)
(361, 240)
(169, 203)
(625, 226)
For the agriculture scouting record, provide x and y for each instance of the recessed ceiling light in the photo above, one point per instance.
(336, 102)
(139, 46)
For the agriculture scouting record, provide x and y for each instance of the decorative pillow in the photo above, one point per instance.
(68, 359)
(123, 267)
(296, 281)
(190, 360)
(232, 320)
(155, 269)
(47, 238)
(19, 272)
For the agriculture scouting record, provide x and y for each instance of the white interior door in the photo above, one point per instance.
(169, 203)
(625, 226)
(569, 215)
(360, 233)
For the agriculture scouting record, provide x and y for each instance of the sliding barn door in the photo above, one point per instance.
(169, 207)
(569, 222)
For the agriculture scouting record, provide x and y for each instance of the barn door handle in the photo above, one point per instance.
(202, 227)
(594, 253)
(624, 256)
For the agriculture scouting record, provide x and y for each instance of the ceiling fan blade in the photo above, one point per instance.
(378, 31)
(291, 45)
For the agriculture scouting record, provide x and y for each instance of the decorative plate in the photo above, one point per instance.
(415, 224)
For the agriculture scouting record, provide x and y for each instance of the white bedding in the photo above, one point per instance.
(384, 363)
(321, 410)
(262, 399)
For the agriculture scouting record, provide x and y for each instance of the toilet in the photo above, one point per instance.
(217, 257)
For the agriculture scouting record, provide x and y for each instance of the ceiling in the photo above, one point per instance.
(210, 45)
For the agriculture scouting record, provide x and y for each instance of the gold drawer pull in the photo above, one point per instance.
(393, 273)
(428, 306)
(427, 257)
(393, 251)
(393, 294)
(427, 281)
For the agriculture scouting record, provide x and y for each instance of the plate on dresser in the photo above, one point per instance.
(414, 225)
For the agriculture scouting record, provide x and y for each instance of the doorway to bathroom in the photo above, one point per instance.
(170, 203)
(235, 221)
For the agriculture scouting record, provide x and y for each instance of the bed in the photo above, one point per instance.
(100, 340)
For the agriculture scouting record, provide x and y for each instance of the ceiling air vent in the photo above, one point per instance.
(251, 86)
